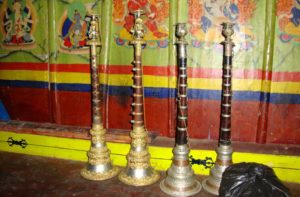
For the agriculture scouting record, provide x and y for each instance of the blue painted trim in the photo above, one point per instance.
(151, 92)
(24, 84)
(70, 87)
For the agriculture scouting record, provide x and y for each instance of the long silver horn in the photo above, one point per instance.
(99, 165)
(224, 149)
(181, 180)
(138, 171)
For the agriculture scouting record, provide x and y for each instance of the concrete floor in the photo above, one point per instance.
(23, 175)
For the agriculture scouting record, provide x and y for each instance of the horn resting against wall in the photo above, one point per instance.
(224, 149)
(138, 171)
(181, 180)
(99, 165)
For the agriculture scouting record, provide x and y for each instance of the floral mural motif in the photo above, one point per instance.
(288, 13)
(18, 22)
(74, 28)
(205, 18)
(155, 20)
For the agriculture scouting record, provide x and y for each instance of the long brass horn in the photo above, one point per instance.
(181, 180)
(99, 165)
(138, 171)
(224, 149)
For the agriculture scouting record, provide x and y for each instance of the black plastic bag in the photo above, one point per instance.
(251, 180)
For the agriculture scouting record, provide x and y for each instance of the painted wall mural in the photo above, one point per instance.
(74, 27)
(288, 13)
(18, 19)
(45, 73)
(287, 36)
(156, 15)
(69, 60)
(205, 18)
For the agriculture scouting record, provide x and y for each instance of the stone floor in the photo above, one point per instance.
(23, 175)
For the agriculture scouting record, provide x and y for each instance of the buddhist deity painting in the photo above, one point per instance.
(205, 18)
(18, 23)
(156, 21)
(74, 27)
(288, 13)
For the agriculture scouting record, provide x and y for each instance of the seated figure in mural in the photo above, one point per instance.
(74, 27)
(152, 15)
(18, 23)
(76, 31)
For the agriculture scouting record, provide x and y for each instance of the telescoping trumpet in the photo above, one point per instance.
(181, 180)
(224, 149)
(99, 165)
(138, 171)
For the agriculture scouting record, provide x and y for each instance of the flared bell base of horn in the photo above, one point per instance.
(99, 166)
(224, 159)
(99, 172)
(138, 171)
(211, 186)
(180, 180)
(178, 190)
(139, 177)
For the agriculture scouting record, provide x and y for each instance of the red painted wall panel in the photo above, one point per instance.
(119, 112)
(157, 114)
(26, 104)
(160, 116)
(203, 117)
(284, 124)
(71, 108)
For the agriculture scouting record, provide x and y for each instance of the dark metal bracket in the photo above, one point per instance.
(21, 143)
(207, 162)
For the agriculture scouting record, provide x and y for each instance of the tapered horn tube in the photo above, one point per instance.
(99, 165)
(138, 171)
(181, 180)
(224, 149)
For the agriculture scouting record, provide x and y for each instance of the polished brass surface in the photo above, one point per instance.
(138, 171)
(99, 165)
(224, 150)
(180, 179)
